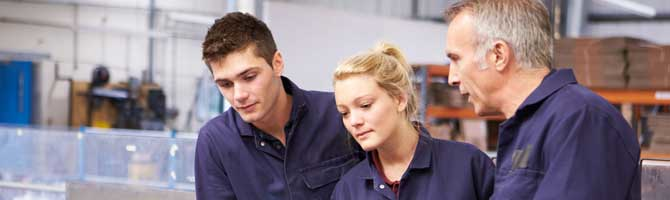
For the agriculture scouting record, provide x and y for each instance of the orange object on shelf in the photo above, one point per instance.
(465, 113)
(650, 155)
(438, 70)
(635, 96)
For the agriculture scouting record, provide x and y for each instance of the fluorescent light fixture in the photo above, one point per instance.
(192, 18)
(173, 150)
(131, 148)
(635, 7)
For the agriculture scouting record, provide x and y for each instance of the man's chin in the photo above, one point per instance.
(249, 118)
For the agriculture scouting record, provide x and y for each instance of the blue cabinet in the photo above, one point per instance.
(16, 86)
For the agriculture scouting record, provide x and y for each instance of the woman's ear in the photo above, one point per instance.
(401, 101)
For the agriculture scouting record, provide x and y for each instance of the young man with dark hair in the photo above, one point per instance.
(278, 141)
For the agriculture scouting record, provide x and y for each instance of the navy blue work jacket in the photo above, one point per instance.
(566, 142)
(439, 170)
(235, 160)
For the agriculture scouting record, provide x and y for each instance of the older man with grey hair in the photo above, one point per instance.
(559, 139)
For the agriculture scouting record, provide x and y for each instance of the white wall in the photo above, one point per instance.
(657, 32)
(429, 9)
(313, 39)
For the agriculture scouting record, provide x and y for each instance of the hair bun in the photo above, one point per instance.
(393, 51)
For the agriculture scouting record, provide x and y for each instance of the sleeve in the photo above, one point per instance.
(589, 155)
(211, 180)
(484, 174)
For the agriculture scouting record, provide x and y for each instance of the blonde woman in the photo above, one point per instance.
(374, 94)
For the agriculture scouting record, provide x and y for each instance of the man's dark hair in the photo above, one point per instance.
(234, 32)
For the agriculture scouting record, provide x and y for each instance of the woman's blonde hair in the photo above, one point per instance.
(390, 70)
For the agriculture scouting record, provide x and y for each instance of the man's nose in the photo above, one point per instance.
(240, 93)
(454, 79)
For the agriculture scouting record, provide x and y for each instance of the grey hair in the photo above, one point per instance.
(523, 24)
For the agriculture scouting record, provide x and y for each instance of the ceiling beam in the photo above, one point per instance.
(627, 18)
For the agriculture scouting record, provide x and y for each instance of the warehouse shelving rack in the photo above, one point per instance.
(629, 99)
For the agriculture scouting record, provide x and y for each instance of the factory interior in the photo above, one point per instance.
(104, 99)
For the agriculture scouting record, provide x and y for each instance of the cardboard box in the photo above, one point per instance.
(596, 62)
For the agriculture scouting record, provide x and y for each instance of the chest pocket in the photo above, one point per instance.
(324, 175)
(517, 184)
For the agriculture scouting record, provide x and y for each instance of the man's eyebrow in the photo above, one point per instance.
(246, 71)
(238, 74)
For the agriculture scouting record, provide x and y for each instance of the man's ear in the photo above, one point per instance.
(501, 55)
(277, 64)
